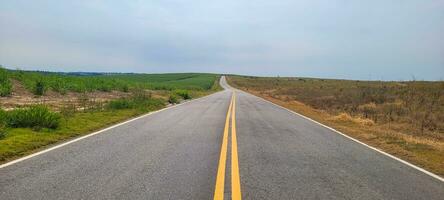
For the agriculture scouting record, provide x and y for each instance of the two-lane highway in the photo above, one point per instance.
(178, 154)
(285, 156)
(171, 154)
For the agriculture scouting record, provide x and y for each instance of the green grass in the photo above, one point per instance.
(39, 82)
(21, 141)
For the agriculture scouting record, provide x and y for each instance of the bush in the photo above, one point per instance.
(59, 86)
(125, 88)
(183, 93)
(104, 88)
(120, 104)
(5, 89)
(39, 88)
(173, 99)
(138, 101)
(150, 104)
(5, 83)
(36, 117)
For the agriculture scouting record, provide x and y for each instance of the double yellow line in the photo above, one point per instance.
(235, 179)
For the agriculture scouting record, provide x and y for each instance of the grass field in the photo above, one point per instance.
(405, 119)
(25, 128)
(62, 83)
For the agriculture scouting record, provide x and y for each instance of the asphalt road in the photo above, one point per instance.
(175, 154)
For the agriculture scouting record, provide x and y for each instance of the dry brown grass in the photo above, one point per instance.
(408, 126)
(345, 117)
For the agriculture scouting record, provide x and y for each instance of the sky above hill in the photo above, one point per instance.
(371, 39)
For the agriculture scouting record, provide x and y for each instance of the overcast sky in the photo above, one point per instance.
(373, 39)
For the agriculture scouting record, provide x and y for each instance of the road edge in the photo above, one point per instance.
(351, 138)
(70, 141)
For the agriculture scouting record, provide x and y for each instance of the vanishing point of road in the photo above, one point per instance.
(228, 145)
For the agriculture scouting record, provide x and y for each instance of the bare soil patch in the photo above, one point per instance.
(22, 97)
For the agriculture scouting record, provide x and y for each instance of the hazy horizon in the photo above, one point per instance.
(365, 40)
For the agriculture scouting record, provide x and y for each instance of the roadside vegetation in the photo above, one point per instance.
(40, 82)
(35, 117)
(403, 118)
(5, 83)
(42, 108)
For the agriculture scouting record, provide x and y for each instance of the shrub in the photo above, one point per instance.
(5, 89)
(125, 88)
(367, 109)
(36, 117)
(183, 93)
(120, 104)
(104, 88)
(2, 115)
(173, 99)
(5, 83)
(59, 86)
(140, 102)
(150, 104)
(39, 88)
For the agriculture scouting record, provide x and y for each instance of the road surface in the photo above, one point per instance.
(187, 152)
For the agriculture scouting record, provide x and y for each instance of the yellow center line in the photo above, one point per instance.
(220, 178)
(235, 179)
